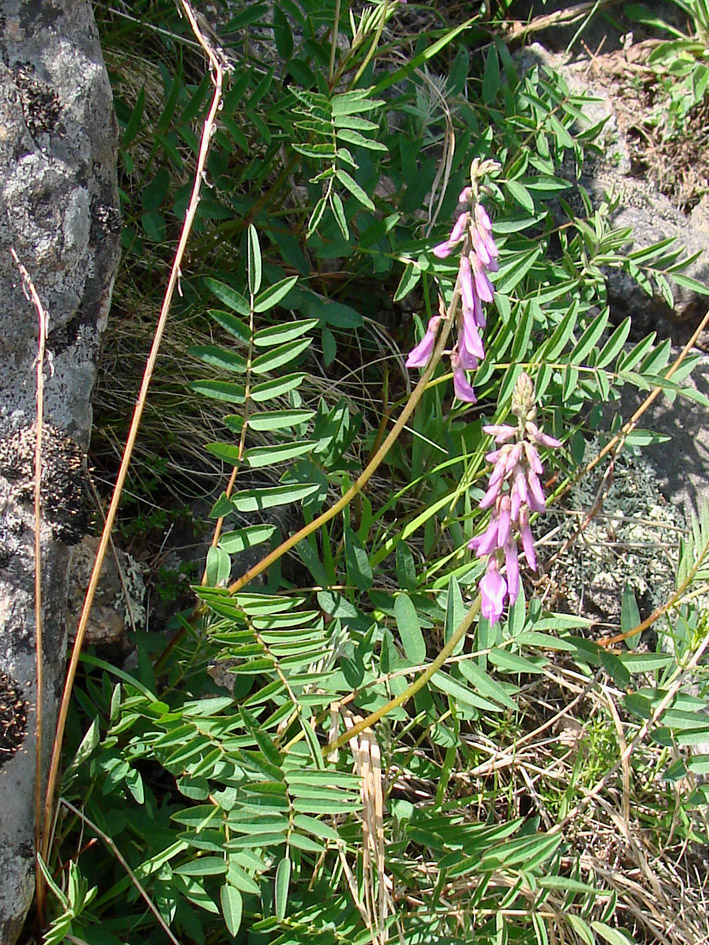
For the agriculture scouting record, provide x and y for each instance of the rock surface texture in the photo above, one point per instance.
(639, 206)
(59, 212)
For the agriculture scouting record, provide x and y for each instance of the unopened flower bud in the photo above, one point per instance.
(523, 398)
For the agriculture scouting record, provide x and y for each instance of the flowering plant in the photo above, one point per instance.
(514, 488)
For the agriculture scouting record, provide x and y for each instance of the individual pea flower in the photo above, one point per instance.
(461, 385)
(421, 354)
(443, 250)
(493, 588)
(514, 490)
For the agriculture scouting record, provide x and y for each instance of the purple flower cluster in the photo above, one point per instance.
(478, 256)
(514, 490)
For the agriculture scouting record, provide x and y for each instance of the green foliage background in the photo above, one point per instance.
(335, 169)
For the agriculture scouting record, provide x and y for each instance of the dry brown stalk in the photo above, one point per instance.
(43, 327)
(218, 66)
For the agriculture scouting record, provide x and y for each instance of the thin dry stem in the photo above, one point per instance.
(218, 67)
(43, 323)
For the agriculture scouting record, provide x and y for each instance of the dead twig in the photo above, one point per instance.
(218, 66)
(43, 322)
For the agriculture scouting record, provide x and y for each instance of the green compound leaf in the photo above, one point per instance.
(280, 419)
(458, 692)
(204, 866)
(611, 935)
(338, 210)
(254, 260)
(317, 214)
(405, 567)
(237, 876)
(512, 663)
(359, 140)
(351, 103)
(307, 844)
(226, 452)
(317, 828)
(232, 324)
(257, 500)
(520, 195)
(485, 685)
(354, 188)
(409, 280)
(135, 120)
(455, 612)
(220, 390)
(359, 568)
(261, 456)
(276, 388)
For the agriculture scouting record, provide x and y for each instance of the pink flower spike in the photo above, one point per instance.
(467, 360)
(501, 431)
(421, 354)
(512, 573)
(471, 339)
(483, 544)
(465, 195)
(513, 456)
(481, 248)
(498, 473)
(490, 497)
(527, 539)
(519, 494)
(493, 590)
(483, 237)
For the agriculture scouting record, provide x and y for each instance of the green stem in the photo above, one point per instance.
(417, 684)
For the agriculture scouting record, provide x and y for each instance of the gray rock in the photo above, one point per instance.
(638, 206)
(59, 212)
(681, 462)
